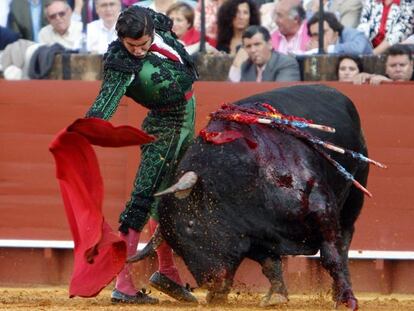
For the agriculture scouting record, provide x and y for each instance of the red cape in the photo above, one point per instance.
(99, 252)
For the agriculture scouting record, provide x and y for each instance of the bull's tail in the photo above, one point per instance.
(150, 248)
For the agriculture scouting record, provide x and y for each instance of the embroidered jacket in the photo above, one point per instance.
(156, 83)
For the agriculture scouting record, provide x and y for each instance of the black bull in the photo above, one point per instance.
(278, 196)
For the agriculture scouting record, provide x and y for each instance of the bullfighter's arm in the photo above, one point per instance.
(114, 86)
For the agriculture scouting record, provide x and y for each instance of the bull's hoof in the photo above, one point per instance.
(350, 303)
(348, 299)
(273, 300)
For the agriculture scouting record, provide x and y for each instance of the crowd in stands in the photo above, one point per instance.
(265, 37)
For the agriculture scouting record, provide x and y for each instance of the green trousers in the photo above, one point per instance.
(158, 163)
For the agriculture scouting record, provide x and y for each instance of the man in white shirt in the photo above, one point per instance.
(101, 33)
(61, 29)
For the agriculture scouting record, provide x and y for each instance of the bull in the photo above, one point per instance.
(268, 193)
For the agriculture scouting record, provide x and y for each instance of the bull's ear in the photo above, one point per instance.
(183, 187)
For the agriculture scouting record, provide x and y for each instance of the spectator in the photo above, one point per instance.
(61, 29)
(259, 3)
(211, 9)
(386, 22)
(15, 59)
(233, 18)
(291, 37)
(182, 16)
(336, 38)
(398, 67)
(83, 10)
(161, 6)
(4, 12)
(348, 67)
(348, 12)
(266, 15)
(409, 40)
(263, 63)
(102, 31)
(7, 36)
(27, 18)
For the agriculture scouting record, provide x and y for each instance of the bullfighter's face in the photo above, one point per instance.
(138, 47)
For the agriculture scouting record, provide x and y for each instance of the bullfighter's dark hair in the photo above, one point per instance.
(354, 58)
(399, 49)
(254, 29)
(328, 17)
(225, 15)
(134, 23)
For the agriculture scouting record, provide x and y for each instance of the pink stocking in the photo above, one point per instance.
(166, 263)
(124, 282)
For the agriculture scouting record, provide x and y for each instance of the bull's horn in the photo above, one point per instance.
(186, 182)
(150, 248)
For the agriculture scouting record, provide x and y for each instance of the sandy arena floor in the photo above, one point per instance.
(56, 298)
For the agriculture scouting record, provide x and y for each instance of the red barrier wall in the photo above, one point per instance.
(32, 112)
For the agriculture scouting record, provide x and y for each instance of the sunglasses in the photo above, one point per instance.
(55, 15)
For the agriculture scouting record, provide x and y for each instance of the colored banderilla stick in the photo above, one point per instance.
(275, 116)
(316, 144)
(251, 116)
(298, 124)
(292, 125)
